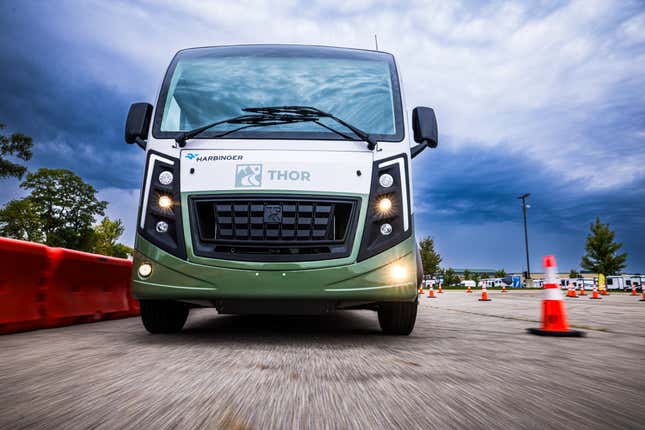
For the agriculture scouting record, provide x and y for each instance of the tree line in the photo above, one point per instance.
(60, 210)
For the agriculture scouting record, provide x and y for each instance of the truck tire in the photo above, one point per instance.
(163, 316)
(397, 317)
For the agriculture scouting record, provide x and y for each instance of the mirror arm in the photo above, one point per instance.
(417, 149)
(142, 143)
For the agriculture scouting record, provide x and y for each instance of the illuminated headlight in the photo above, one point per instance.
(384, 205)
(165, 202)
(165, 177)
(145, 270)
(399, 272)
(386, 180)
(161, 227)
(386, 229)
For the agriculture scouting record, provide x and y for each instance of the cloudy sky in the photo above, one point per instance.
(546, 97)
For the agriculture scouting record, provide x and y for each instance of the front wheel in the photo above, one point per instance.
(397, 317)
(163, 316)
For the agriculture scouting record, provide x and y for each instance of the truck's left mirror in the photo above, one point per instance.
(138, 123)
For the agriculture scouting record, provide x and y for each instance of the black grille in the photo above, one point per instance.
(278, 227)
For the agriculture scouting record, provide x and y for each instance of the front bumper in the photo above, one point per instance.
(388, 276)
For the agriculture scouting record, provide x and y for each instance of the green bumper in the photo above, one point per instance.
(389, 276)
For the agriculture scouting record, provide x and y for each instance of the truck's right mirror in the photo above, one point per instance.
(424, 126)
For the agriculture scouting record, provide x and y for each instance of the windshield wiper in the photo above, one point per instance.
(312, 111)
(277, 115)
(252, 120)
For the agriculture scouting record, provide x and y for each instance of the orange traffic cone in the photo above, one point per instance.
(594, 293)
(571, 292)
(421, 289)
(604, 292)
(643, 298)
(440, 289)
(582, 290)
(484, 297)
(554, 317)
(469, 290)
(431, 293)
(634, 293)
(503, 288)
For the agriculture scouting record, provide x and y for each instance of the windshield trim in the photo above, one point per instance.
(295, 50)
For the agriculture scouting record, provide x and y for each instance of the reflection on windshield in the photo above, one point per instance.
(204, 90)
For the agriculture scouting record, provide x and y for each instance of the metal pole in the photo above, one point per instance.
(376, 42)
(526, 235)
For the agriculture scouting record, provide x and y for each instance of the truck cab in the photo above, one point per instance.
(278, 181)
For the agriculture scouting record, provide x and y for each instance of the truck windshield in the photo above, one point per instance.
(205, 85)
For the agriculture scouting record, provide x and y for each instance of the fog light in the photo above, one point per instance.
(165, 202)
(165, 177)
(145, 270)
(386, 180)
(161, 227)
(386, 229)
(399, 272)
(385, 204)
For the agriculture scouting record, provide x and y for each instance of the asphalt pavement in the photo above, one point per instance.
(468, 364)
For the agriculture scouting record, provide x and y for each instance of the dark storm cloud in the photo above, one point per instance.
(76, 121)
(478, 187)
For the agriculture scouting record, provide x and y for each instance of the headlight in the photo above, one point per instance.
(145, 270)
(165, 202)
(160, 220)
(398, 271)
(386, 180)
(384, 205)
(161, 227)
(388, 221)
(386, 229)
(166, 177)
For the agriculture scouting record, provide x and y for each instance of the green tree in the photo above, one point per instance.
(429, 257)
(106, 235)
(601, 251)
(66, 206)
(500, 273)
(450, 277)
(467, 275)
(15, 145)
(573, 273)
(19, 220)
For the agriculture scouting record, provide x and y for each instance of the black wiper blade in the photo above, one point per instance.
(250, 120)
(308, 110)
(267, 123)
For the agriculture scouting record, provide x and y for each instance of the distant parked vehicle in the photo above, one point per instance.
(576, 283)
(470, 284)
(537, 283)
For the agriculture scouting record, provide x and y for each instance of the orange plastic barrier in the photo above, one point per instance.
(49, 287)
(22, 285)
(86, 287)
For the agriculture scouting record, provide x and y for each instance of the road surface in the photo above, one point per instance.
(468, 364)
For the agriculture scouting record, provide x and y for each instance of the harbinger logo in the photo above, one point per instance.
(199, 158)
(248, 175)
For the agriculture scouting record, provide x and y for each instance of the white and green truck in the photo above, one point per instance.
(278, 181)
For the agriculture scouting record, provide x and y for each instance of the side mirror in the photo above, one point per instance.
(138, 124)
(424, 126)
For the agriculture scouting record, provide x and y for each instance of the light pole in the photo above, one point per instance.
(526, 234)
